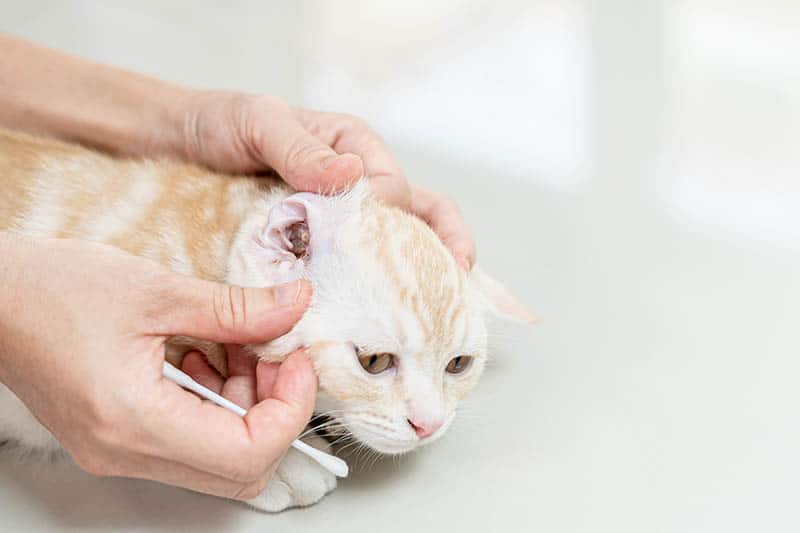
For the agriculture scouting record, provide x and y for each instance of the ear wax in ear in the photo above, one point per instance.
(299, 237)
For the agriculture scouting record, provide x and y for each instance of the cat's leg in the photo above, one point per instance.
(298, 481)
(20, 427)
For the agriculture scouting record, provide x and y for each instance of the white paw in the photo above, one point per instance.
(299, 481)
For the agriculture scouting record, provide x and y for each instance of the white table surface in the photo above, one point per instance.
(629, 168)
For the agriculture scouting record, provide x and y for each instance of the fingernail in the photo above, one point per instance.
(287, 294)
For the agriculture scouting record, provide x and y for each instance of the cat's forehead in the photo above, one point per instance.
(420, 273)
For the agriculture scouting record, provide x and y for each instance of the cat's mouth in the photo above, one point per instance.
(356, 435)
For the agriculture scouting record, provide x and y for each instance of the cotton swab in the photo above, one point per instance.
(334, 465)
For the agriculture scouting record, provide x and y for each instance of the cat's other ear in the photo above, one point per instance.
(497, 298)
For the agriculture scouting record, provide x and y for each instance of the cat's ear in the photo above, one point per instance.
(497, 298)
(282, 244)
(301, 226)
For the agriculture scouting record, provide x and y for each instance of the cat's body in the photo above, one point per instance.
(395, 327)
(159, 210)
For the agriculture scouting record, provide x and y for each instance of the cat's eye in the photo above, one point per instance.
(377, 362)
(459, 364)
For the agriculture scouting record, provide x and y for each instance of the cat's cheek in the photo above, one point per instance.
(460, 388)
(331, 364)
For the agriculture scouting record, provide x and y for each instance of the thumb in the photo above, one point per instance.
(303, 161)
(232, 314)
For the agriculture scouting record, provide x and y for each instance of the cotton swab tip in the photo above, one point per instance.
(332, 464)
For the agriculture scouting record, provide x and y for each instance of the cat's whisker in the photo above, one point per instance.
(312, 430)
(380, 276)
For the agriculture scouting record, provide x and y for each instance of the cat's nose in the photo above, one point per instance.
(424, 429)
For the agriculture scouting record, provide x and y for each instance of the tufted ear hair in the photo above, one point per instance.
(302, 226)
(497, 298)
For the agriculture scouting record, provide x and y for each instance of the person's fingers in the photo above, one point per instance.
(443, 216)
(181, 427)
(379, 163)
(228, 313)
(266, 376)
(287, 410)
(302, 160)
(451, 229)
(392, 190)
(349, 134)
(241, 390)
(195, 365)
(240, 385)
(240, 363)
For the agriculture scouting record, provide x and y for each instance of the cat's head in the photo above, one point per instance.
(396, 329)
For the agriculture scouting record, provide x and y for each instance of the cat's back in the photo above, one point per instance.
(180, 215)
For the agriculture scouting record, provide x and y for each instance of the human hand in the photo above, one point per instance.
(82, 332)
(130, 114)
(312, 151)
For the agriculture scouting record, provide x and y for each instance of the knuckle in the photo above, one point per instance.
(299, 151)
(229, 304)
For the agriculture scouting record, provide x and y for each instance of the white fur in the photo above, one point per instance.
(354, 304)
(118, 217)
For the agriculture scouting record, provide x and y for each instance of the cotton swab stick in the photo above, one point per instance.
(334, 465)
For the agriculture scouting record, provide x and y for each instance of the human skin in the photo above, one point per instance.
(101, 393)
(84, 350)
(122, 112)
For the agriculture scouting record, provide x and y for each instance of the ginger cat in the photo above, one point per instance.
(395, 328)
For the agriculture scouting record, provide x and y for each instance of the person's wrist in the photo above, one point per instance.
(212, 128)
(169, 122)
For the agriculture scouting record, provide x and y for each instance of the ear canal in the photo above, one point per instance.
(298, 229)
(498, 299)
(286, 239)
(287, 227)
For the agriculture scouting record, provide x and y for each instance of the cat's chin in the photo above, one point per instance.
(384, 449)
(393, 447)
(385, 445)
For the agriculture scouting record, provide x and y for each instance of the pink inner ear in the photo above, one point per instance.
(283, 243)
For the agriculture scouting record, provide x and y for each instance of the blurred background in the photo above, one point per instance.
(630, 168)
